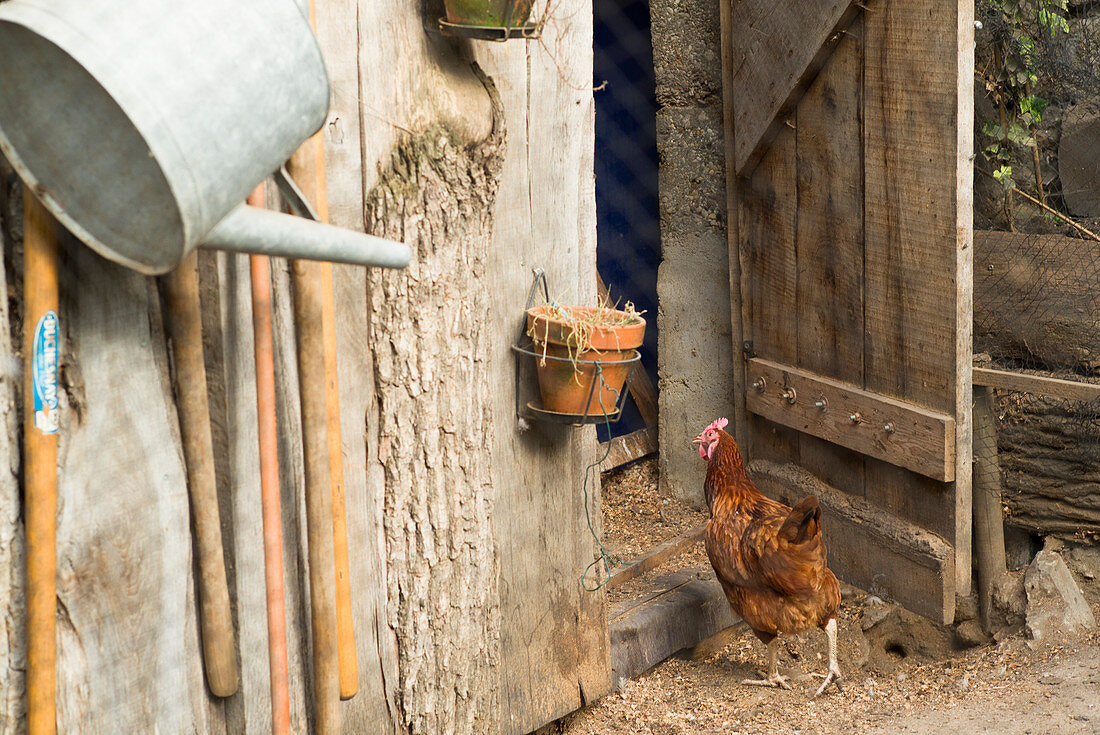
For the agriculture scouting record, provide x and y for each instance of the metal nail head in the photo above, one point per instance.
(790, 395)
(888, 427)
(855, 417)
(821, 404)
(759, 385)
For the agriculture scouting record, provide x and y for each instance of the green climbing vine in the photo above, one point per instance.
(1016, 29)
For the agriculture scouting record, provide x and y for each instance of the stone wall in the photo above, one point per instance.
(695, 350)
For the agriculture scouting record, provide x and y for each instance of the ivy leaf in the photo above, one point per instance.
(1004, 176)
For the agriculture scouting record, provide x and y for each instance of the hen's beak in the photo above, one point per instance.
(697, 440)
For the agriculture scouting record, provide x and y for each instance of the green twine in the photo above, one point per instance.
(605, 557)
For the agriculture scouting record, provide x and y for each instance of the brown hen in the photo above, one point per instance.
(769, 559)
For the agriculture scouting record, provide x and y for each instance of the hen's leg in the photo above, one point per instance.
(774, 679)
(833, 677)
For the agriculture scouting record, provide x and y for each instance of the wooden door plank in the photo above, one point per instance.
(738, 304)
(769, 279)
(778, 49)
(656, 557)
(627, 448)
(894, 559)
(690, 608)
(901, 433)
(1039, 384)
(830, 242)
(917, 250)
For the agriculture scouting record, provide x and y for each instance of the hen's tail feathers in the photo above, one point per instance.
(802, 523)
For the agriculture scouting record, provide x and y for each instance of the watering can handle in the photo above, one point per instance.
(293, 195)
(260, 231)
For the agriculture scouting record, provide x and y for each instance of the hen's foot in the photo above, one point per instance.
(833, 677)
(775, 680)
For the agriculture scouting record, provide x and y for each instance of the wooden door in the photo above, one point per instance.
(849, 130)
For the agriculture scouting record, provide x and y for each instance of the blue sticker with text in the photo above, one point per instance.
(44, 375)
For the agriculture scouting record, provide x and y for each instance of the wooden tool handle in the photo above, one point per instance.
(185, 329)
(345, 630)
(40, 461)
(306, 276)
(260, 272)
(308, 168)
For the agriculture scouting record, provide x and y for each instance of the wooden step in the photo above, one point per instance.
(676, 611)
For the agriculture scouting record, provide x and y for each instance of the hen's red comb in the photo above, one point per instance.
(718, 424)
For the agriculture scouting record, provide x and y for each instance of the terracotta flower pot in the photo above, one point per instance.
(488, 13)
(566, 377)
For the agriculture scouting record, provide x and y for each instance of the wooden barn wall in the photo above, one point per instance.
(129, 657)
(854, 252)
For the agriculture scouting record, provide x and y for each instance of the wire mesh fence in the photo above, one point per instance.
(1037, 253)
(628, 231)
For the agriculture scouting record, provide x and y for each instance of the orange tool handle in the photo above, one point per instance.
(260, 268)
(41, 340)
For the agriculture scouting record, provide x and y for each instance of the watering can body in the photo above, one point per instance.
(143, 129)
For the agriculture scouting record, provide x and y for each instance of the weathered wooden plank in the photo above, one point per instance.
(896, 560)
(898, 432)
(910, 159)
(554, 645)
(1035, 300)
(989, 529)
(644, 394)
(690, 607)
(627, 448)
(769, 277)
(918, 277)
(1039, 384)
(128, 650)
(830, 242)
(778, 50)
(738, 321)
(338, 35)
(372, 709)
(657, 556)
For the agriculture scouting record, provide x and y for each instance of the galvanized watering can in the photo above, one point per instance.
(143, 126)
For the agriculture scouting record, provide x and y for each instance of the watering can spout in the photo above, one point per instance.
(252, 230)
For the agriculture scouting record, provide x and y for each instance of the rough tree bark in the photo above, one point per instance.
(429, 335)
(12, 650)
(1050, 462)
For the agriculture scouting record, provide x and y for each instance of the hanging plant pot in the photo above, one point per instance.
(585, 356)
(488, 13)
(495, 20)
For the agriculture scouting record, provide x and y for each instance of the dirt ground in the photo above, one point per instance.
(635, 516)
(903, 674)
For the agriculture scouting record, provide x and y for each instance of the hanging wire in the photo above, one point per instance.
(605, 556)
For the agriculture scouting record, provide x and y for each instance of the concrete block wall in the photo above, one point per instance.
(695, 345)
